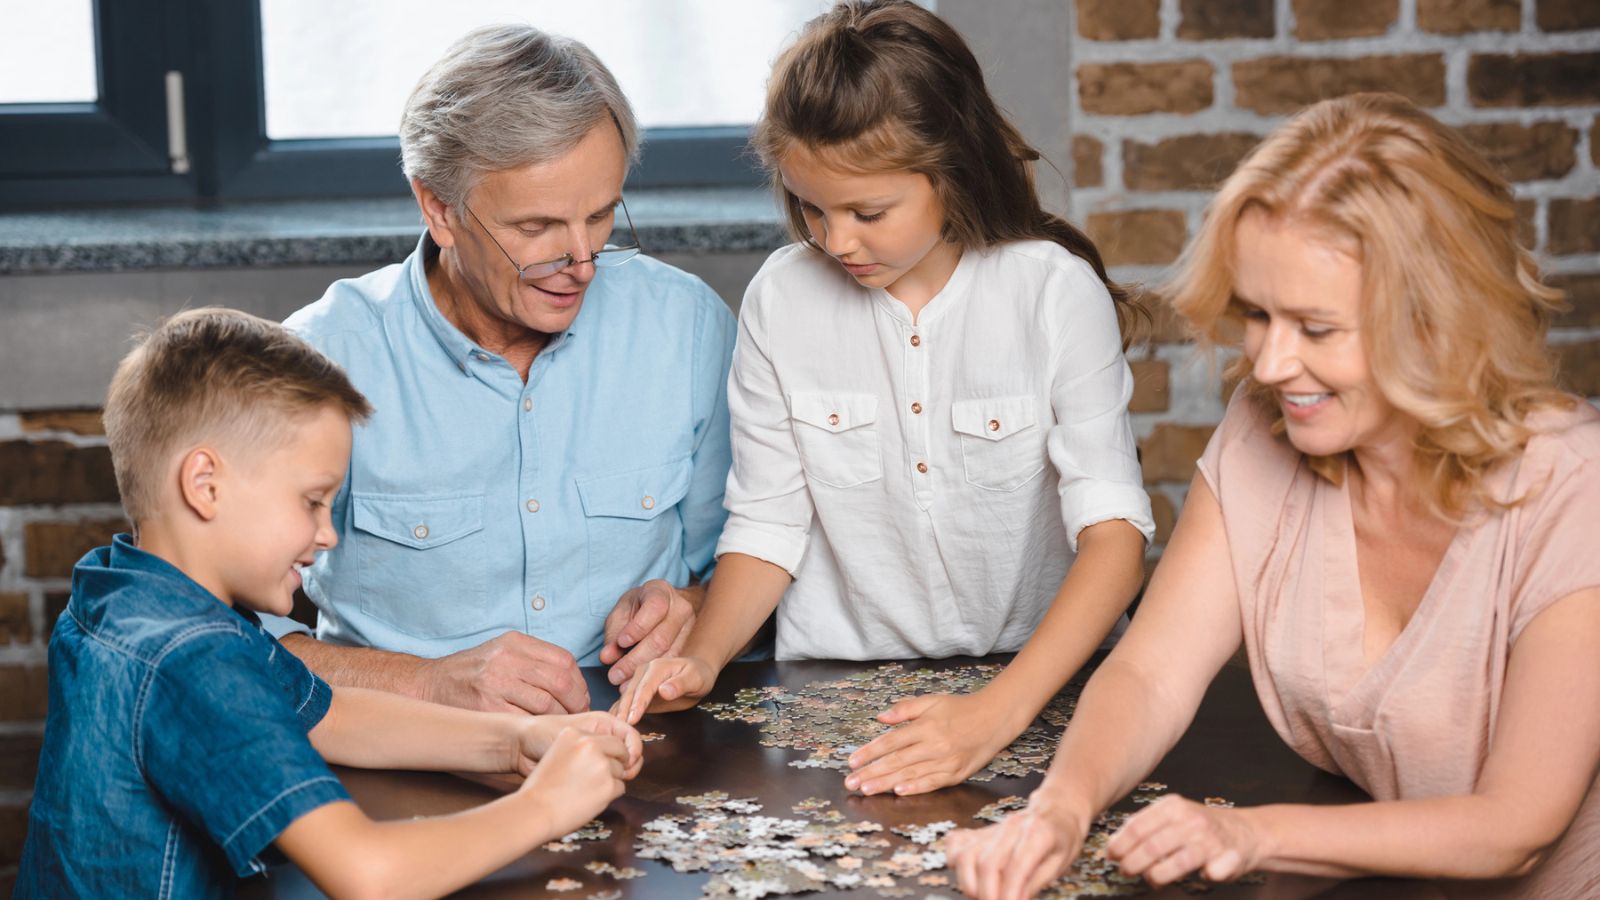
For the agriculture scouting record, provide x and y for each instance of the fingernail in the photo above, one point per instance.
(614, 677)
(851, 782)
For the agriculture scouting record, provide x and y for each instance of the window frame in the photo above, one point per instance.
(115, 150)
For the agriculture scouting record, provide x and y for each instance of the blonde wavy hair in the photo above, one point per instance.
(1454, 315)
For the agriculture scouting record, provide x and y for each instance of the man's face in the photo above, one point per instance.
(537, 213)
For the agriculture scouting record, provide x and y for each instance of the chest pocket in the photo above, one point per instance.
(837, 437)
(634, 530)
(420, 561)
(1002, 447)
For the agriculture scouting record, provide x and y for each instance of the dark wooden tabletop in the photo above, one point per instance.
(1229, 751)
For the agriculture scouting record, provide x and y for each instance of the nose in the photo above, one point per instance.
(1278, 357)
(326, 537)
(836, 239)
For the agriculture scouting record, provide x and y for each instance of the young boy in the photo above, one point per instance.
(176, 749)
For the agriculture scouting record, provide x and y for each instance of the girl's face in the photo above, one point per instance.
(884, 228)
(1301, 301)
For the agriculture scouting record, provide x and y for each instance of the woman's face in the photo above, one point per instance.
(1301, 301)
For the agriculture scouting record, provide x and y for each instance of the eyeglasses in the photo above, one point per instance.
(607, 256)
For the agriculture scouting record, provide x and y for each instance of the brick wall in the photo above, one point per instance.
(1168, 96)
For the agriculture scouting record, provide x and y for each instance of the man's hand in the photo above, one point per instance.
(653, 620)
(513, 672)
(539, 733)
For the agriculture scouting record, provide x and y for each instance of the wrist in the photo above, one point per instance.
(1009, 714)
(1061, 805)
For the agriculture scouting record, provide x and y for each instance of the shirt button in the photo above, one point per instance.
(994, 424)
(538, 602)
(648, 502)
(922, 467)
(916, 341)
(421, 531)
(916, 409)
(833, 418)
(533, 506)
(480, 356)
(527, 404)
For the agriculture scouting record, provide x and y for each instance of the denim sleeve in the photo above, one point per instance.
(222, 730)
(702, 509)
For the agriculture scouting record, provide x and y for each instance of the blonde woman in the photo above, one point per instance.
(1397, 520)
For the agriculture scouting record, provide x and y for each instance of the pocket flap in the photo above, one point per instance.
(419, 522)
(994, 418)
(833, 412)
(637, 493)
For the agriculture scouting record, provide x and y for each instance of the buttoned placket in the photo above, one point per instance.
(530, 483)
(916, 355)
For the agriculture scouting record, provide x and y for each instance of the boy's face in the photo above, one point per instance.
(278, 519)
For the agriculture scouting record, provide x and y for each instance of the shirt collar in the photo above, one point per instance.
(463, 351)
(954, 290)
(125, 572)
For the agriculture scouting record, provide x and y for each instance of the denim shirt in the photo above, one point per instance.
(478, 504)
(176, 750)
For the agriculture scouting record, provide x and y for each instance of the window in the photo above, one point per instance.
(174, 100)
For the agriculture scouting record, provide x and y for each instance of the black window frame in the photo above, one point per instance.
(115, 150)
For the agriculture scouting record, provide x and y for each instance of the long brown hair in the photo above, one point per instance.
(1454, 314)
(880, 85)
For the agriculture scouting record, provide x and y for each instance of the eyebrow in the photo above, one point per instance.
(555, 220)
(1303, 312)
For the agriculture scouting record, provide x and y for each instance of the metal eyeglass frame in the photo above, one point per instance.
(607, 256)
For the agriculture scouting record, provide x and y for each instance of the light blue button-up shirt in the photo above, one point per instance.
(478, 504)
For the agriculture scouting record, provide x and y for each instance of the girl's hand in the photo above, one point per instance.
(664, 685)
(1175, 836)
(1020, 856)
(945, 739)
(537, 734)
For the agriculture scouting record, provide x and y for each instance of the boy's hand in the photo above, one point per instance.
(578, 776)
(1020, 856)
(536, 736)
(945, 739)
(653, 619)
(511, 673)
(663, 685)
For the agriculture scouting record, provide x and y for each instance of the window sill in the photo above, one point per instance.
(338, 232)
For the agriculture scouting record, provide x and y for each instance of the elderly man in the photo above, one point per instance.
(541, 485)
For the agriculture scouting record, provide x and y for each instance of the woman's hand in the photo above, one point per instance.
(664, 685)
(1020, 856)
(1175, 836)
(538, 734)
(942, 740)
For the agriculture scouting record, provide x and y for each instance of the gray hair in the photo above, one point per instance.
(503, 97)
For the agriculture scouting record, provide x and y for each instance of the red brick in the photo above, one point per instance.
(1119, 20)
(1087, 153)
(19, 761)
(1276, 85)
(1529, 79)
(1321, 20)
(1135, 89)
(1543, 150)
(1566, 15)
(1580, 367)
(55, 472)
(77, 421)
(1167, 327)
(1461, 16)
(1201, 20)
(1574, 226)
(1151, 386)
(23, 693)
(16, 619)
(53, 548)
(1138, 237)
(1165, 515)
(1583, 298)
(1170, 452)
(1190, 162)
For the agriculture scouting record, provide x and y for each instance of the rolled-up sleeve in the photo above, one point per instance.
(1092, 443)
(769, 508)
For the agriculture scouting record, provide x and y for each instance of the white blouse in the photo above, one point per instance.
(896, 467)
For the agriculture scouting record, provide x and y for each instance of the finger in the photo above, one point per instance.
(907, 709)
(644, 687)
(655, 598)
(526, 698)
(1175, 865)
(1033, 843)
(1225, 866)
(563, 682)
(887, 771)
(615, 620)
(967, 866)
(991, 868)
(1048, 871)
(922, 777)
(656, 644)
(1153, 848)
(883, 745)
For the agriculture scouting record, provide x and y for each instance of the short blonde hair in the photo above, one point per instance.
(212, 374)
(1454, 315)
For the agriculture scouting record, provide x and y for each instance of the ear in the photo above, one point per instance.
(199, 482)
(436, 213)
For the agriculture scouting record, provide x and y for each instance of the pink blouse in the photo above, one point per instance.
(1418, 723)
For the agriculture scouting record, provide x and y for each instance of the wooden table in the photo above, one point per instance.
(1230, 751)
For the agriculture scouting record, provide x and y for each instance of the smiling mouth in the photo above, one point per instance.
(1306, 400)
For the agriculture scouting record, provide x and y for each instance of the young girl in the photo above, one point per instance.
(929, 405)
